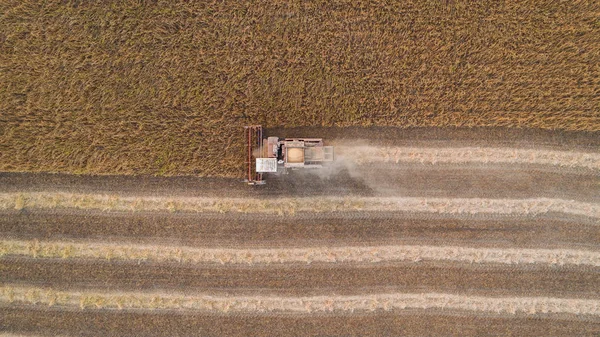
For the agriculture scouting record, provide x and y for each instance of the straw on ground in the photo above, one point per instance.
(347, 254)
(89, 300)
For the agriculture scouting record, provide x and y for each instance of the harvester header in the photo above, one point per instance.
(278, 155)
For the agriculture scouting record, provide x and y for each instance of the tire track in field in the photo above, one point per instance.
(303, 280)
(298, 305)
(466, 181)
(431, 322)
(272, 231)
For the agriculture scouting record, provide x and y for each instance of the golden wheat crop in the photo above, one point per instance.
(130, 87)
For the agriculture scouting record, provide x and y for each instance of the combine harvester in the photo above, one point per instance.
(277, 155)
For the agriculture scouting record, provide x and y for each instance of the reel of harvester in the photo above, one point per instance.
(254, 149)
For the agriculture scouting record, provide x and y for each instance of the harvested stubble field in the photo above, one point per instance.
(419, 237)
(163, 87)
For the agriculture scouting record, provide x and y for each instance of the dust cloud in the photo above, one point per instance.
(347, 169)
(369, 169)
(343, 175)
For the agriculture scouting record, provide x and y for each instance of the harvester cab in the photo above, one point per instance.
(278, 155)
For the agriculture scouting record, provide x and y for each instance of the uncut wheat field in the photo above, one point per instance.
(464, 198)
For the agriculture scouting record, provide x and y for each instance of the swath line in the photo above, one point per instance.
(262, 256)
(87, 300)
(291, 206)
(462, 155)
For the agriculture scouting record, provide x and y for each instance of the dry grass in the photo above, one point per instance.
(163, 88)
